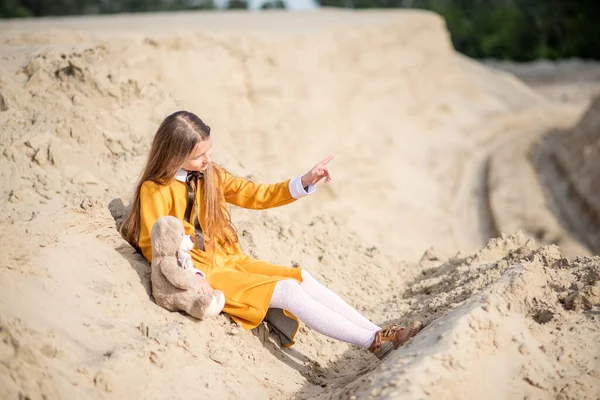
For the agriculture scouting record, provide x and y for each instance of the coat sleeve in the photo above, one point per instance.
(247, 194)
(155, 202)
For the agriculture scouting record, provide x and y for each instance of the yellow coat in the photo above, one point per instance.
(247, 283)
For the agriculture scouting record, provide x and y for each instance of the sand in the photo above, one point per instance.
(432, 164)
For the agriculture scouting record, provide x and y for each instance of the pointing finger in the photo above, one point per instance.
(326, 161)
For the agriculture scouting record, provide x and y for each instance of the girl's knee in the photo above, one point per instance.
(289, 285)
(286, 294)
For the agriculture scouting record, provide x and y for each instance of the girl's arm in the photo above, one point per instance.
(247, 194)
(155, 202)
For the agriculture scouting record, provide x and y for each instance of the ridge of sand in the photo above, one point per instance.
(501, 323)
(412, 124)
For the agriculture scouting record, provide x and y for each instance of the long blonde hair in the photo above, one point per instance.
(174, 142)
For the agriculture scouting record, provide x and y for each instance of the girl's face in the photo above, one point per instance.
(200, 157)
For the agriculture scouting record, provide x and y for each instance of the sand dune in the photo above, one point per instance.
(426, 140)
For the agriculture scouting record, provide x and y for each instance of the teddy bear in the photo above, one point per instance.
(173, 274)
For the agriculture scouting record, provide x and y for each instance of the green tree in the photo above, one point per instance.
(237, 5)
(272, 4)
(13, 9)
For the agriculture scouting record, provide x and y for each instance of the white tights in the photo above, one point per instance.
(323, 311)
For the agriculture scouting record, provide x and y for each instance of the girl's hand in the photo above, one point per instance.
(317, 173)
(202, 286)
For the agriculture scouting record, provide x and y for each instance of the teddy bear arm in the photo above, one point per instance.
(179, 277)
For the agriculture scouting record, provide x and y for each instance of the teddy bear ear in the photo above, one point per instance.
(178, 225)
(156, 227)
(164, 225)
(167, 226)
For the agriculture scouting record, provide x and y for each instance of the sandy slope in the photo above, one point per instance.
(385, 94)
(413, 126)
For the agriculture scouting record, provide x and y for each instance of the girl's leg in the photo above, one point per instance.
(289, 296)
(334, 302)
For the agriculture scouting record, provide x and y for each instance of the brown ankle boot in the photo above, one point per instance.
(381, 347)
(398, 335)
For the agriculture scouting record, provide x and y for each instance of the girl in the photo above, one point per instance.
(179, 179)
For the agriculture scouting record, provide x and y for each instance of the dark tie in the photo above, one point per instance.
(192, 180)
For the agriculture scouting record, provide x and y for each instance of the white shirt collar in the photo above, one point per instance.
(181, 175)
